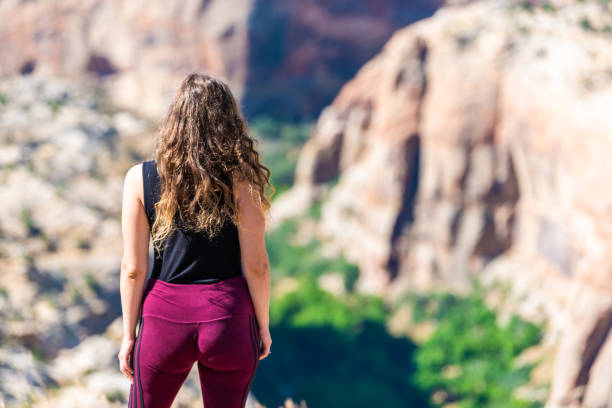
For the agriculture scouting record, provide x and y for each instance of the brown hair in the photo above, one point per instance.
(202, 147)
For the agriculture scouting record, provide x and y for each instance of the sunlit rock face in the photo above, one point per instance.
(138, 49)
(478, 144)
(271, 52)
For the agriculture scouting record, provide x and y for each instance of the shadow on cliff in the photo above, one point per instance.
(329, 368)
(301, 53)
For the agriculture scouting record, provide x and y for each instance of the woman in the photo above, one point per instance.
(202, 200)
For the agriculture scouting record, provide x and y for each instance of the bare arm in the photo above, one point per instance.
(135, 262)
(255, 263)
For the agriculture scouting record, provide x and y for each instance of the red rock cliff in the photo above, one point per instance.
(478, 144)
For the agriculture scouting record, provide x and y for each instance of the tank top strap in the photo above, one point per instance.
(150, 181)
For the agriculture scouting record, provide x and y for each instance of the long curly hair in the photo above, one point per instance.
(203, 147)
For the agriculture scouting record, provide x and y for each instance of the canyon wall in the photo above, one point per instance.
(477, 144)
(140, 50)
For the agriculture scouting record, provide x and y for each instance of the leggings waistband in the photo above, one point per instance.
(193, 303)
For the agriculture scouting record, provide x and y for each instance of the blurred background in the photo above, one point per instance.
(441, 232)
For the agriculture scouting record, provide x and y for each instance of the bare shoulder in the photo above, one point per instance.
(244, 191)
(247, 198)
(242, 188)
(133, 181)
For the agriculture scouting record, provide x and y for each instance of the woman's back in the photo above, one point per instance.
(202, 204)
(190, 257)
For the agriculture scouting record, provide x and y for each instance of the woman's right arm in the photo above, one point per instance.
(255, 263)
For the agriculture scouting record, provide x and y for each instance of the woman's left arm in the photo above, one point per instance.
(135, 262)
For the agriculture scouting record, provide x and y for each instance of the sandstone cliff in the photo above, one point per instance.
(140, 50)
(477, 144)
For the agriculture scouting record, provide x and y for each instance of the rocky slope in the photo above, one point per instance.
(141, 50)
(62, 159)
(477, 144)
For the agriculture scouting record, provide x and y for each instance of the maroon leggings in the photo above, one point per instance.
(180, 324)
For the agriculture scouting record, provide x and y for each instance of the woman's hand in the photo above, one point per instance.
(266, 342)
(125, 359)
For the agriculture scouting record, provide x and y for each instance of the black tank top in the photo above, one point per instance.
(190, 257)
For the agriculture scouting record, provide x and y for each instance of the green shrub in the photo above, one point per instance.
(335, 351)
(549, 7)
(282, 164)
(327, 346)
(115, 396)
(91, 282)
(268, 128)
(314, 211)
(288, 259)
(281, 145)
(311, 306)
(28, 222)
(586, 24)
(469, 343)
(526, 5)
(55, 105)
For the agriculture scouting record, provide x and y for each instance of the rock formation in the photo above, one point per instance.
(477, 145)
(140, 50)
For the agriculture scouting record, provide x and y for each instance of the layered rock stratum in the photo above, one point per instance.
(477, 144)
